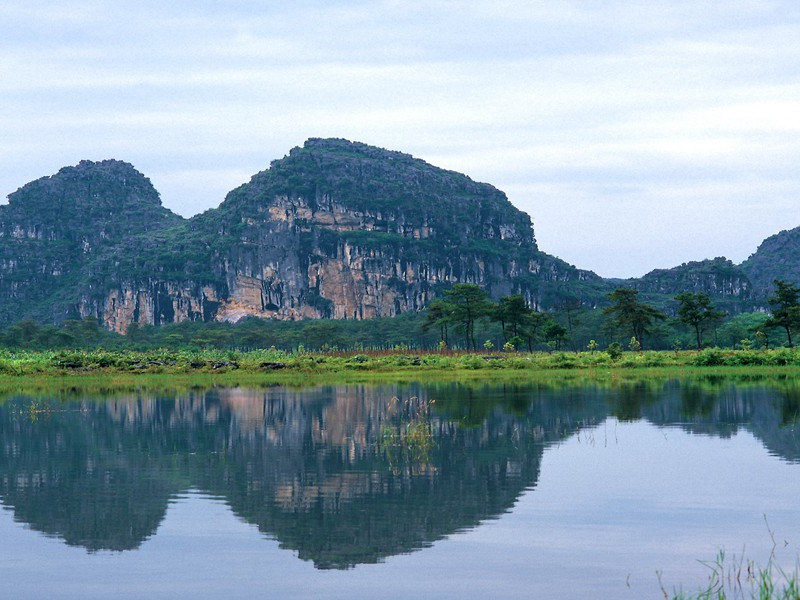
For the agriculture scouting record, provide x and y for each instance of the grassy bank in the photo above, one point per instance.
(288, 366)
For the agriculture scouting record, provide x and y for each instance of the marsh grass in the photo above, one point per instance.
(406, 435)
(739, 578)
(278, 364)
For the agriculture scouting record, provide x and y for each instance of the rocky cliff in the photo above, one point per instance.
(718, 277)
(335, 229)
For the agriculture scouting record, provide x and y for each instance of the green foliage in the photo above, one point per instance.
(697, 311)
(785, 305)
(627, 312)
(467, 303)
(614, 350)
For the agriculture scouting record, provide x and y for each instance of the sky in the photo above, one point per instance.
(637, 135)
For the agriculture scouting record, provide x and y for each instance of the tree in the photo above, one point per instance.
(628, 313)
(555, 334)
(569, 307)
(697, 311)
(533, 326)
(468, 303)
(512, 312)
(785, 305)
(741, 327)
(439, 314)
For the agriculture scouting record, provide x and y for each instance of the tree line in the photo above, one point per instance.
(466, 304)
(463, 317)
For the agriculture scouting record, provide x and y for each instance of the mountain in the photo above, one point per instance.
(735, 288)
(778, 257)
(335, 229)
(53, 229)
(725, 282)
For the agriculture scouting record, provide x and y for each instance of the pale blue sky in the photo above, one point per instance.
(636, 134)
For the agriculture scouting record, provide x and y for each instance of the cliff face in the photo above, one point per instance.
(334, 229)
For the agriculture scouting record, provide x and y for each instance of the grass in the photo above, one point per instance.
(740, 579)
(737, 578)
(282, 365)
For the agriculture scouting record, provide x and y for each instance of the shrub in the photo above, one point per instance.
(710, 357)
(470, 361)
(614, 350)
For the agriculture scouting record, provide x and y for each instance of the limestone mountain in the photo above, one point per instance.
(734, 287)
(335, 229)
(727, 283)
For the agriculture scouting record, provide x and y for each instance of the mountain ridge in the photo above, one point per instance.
(333, 229)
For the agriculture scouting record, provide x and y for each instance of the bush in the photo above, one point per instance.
(614, 350)
(710, 357)
(470, 361)
(563, 361)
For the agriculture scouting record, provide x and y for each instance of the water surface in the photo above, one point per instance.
(562, 490)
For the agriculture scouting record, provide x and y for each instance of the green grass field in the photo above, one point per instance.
(278, 365)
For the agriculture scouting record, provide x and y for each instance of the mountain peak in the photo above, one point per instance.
(81, 185)
(87, 196)
(403, 194)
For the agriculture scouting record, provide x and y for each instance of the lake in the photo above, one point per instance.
(559, 489)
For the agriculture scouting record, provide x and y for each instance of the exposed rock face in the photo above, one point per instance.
(335, 229)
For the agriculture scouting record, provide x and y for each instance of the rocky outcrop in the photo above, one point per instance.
(335, 229)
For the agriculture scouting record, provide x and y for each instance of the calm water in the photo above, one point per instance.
(561, 491)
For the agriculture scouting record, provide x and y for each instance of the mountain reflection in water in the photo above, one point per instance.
(326, 470)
